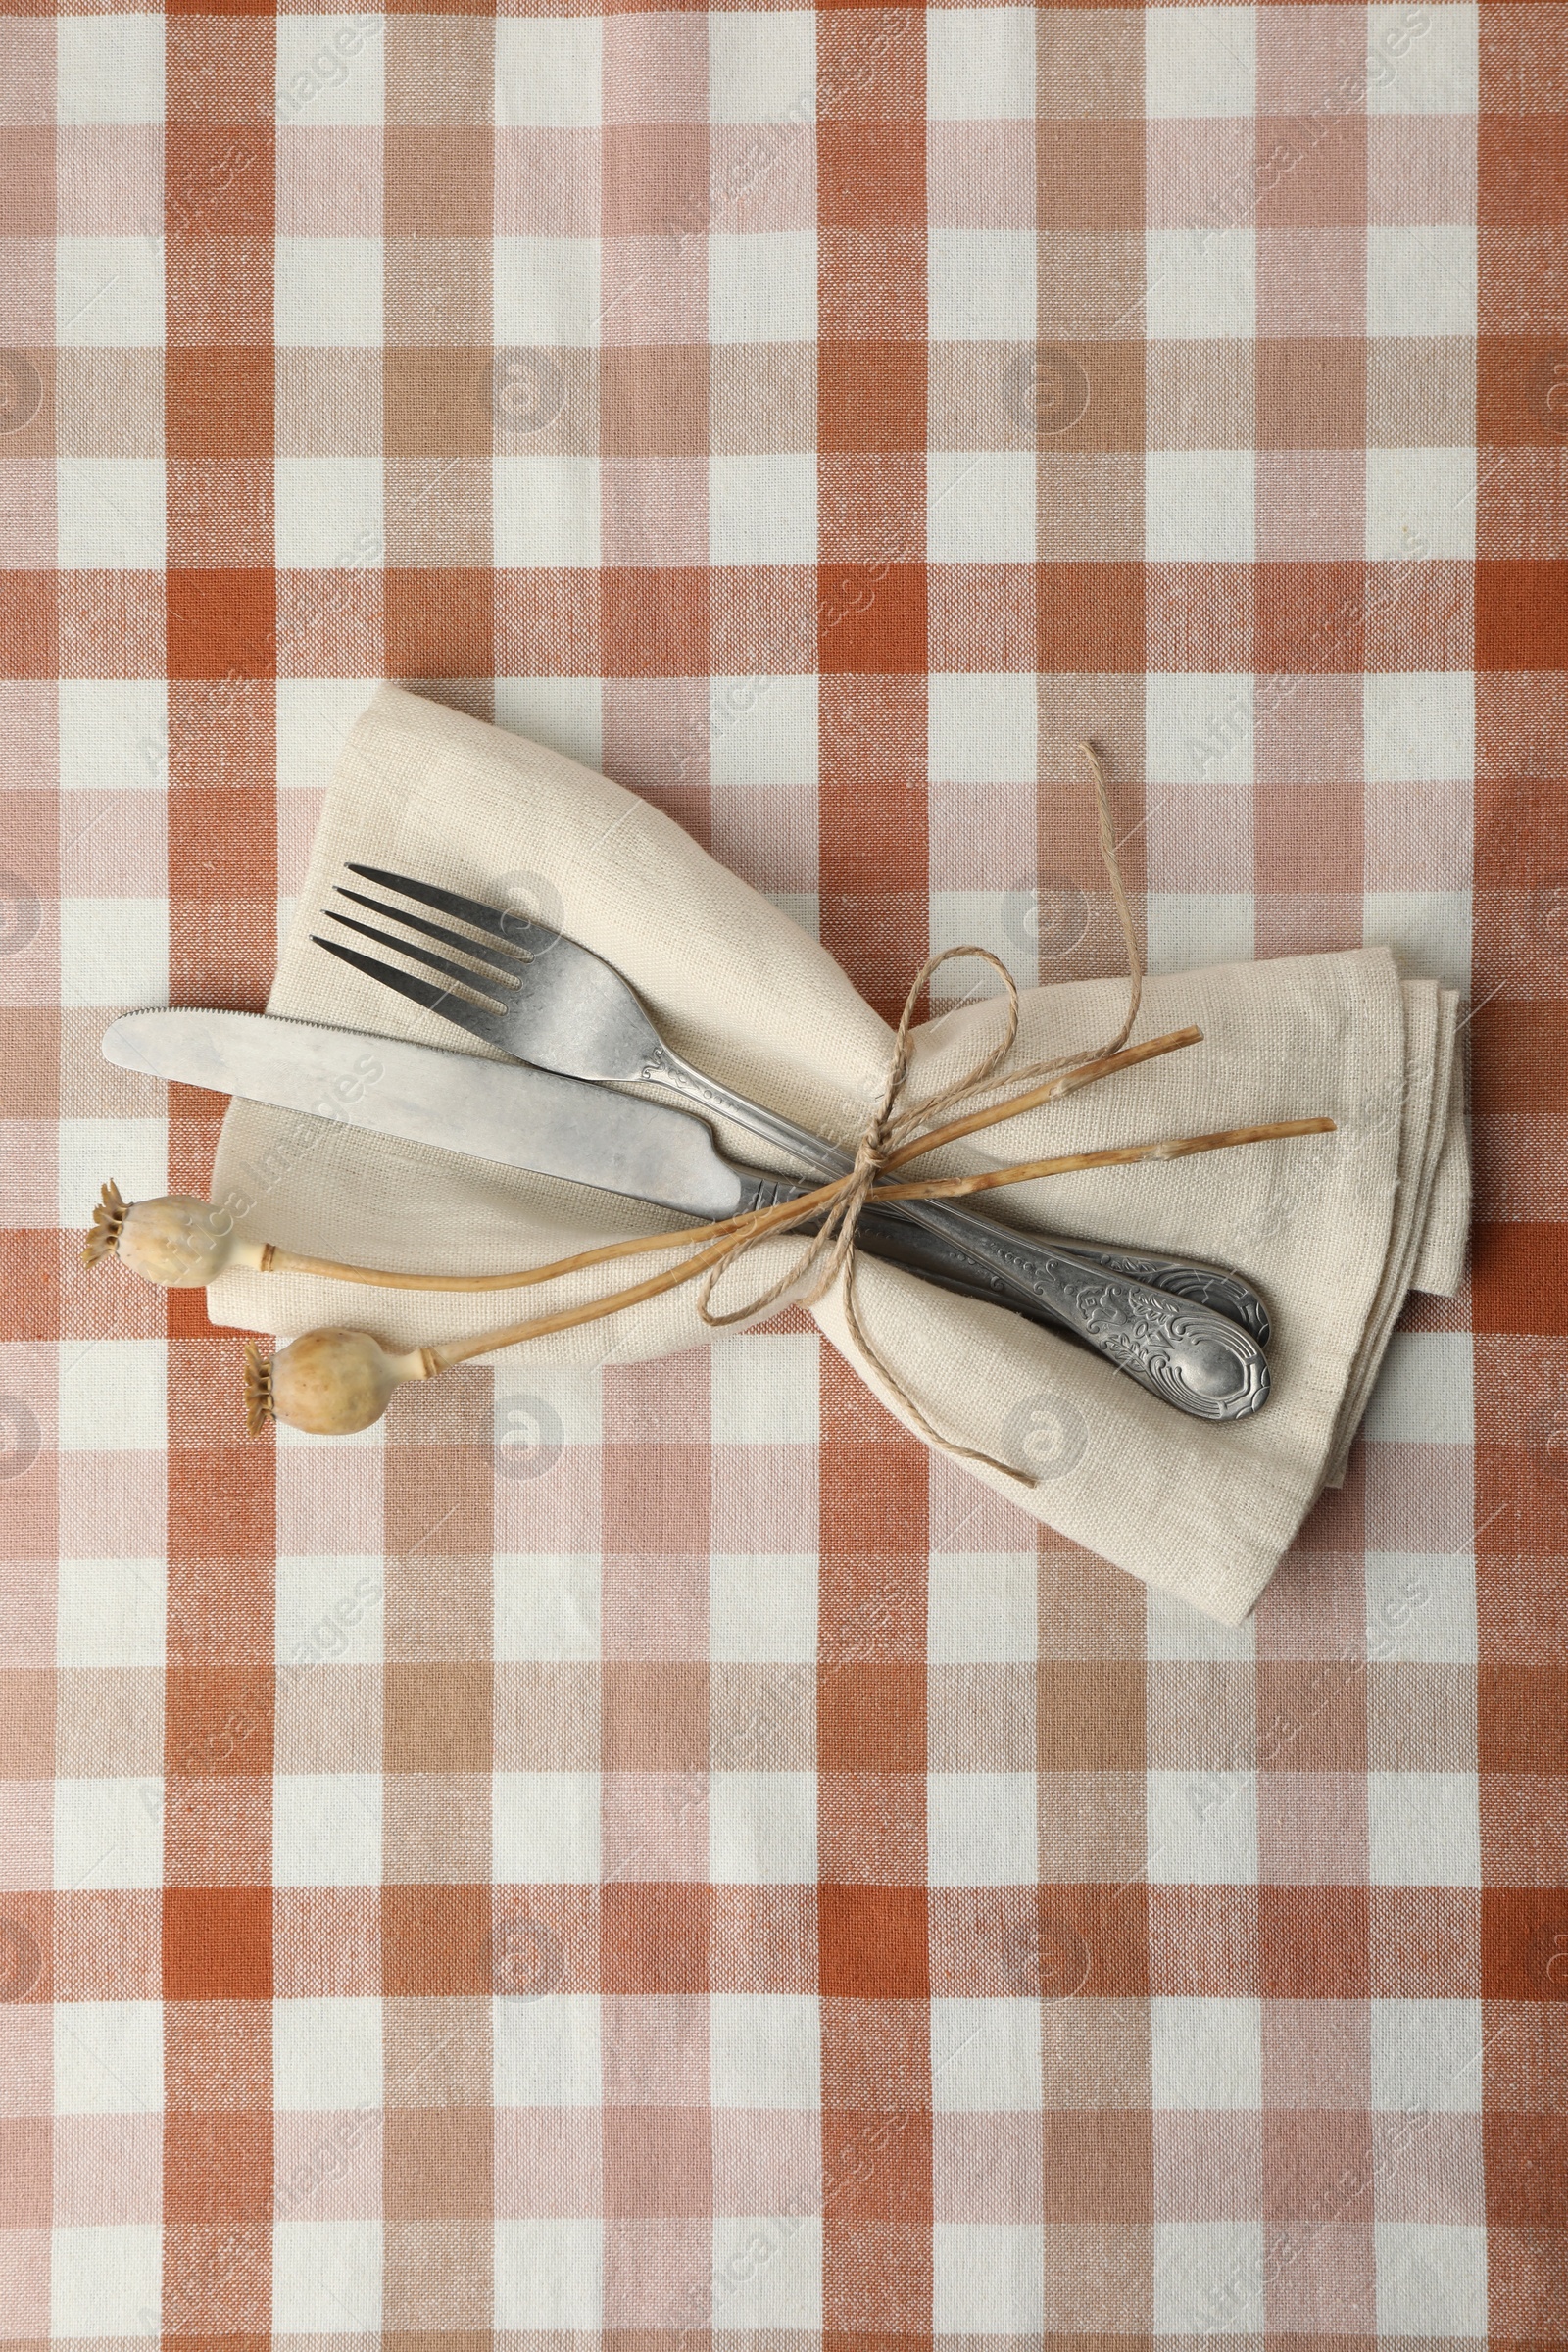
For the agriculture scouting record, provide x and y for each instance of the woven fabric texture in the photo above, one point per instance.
(641, 1859)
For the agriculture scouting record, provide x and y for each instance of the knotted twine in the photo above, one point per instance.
(892, 1135)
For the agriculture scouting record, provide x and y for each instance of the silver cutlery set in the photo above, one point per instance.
(576, 1033)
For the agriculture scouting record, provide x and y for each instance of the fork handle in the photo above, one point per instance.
(1180, 1350)
(1183, 1278)
(1194, 1358)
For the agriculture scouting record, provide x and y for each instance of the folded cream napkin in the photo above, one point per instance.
(1333, 1229)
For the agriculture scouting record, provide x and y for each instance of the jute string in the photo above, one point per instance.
(892, 1135)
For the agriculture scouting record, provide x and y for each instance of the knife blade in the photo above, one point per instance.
(505, 1112)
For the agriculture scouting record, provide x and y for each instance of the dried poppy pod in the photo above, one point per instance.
(181, 1244)
(329, 1382)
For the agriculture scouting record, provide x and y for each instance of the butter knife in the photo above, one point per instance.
(524, 1117)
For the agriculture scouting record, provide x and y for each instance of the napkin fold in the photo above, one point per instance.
(1332, 1229)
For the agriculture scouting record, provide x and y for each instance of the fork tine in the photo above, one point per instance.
(457, 1010)
(479, 982)
(495, 958)
(494, 919)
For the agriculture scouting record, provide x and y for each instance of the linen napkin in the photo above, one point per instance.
(1332, 1229)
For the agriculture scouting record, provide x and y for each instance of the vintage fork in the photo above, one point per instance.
(549, 1001)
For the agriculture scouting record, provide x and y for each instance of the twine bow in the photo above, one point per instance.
(894, 1135)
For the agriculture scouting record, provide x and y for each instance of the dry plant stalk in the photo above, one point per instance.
(331, 1383)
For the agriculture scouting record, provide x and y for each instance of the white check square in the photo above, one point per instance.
(1421, 1604)
(1425, 1391)
(113, 951)
(761, 1607)
(109, 291)
(761, 65)
(331, 70)
(545, 1827)
(111, 1612)
(767, 2274)
(562, 714)
(108, 1832)
(985, 2056)
(549, 72)
(326, 2053)
(1424, 60)
(548, 2052)
(546, 297)
(1203, 1828)
(1203, 284)
(556, 1405)
(762, 730)
(988, 2280)
(1014, 924)
(109, 2057)
(547, 1604)
(329, 514)
(114, 734)
(1428, 931)
(326, 1828)
(763, 1390)
(104, 2278)
(326, 2277)
(1420, 505)
(550, 2274)
(982, 1829)
(1198, 727)
(109, 513)
(761, 286)
(326, 292)
(108, 68)
(982, 1605)
(110, 1396)
(1419, 725)
(982, 286)
(1199, 506)
(1421, 282)
(983, 728)
(330, 1609)
(1423, 1829)
(761, 510)
(980, 63)
(1432, 2280)
(1200, 60)
(761, 1828)
(766, 2049)
(1426, 2056)
(137, 1150)
(547, 512)
(1207, 2052)
(1177, 1631)
(1190, 929)
(1211, 2282)
(314, 720)
(980, 509)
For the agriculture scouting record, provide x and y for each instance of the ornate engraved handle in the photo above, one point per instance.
(1138, 1350)
(1180, 1348)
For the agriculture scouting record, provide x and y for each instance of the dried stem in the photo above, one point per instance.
(721, 1236)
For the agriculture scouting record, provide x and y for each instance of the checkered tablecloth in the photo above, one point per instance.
(656, 1858)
